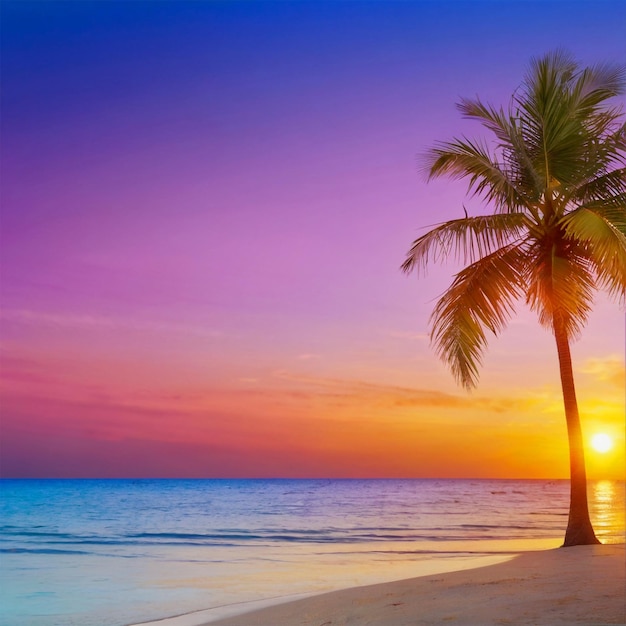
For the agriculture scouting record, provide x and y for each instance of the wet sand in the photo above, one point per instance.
(578, 585)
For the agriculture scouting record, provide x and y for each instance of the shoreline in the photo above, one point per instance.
(508, 565)
(423, 563)
(581, 584)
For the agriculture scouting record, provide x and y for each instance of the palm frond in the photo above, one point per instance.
(601, 234)
(466, 239)
(560, 282)
(562, 114)
(481, 298)
(608, 187)
(505, 126)
(463, 158)
(598, 83)
(496, 120)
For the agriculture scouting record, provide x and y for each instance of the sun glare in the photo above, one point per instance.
(601, 442)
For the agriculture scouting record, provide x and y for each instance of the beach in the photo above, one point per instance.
(190, 552)
(576, 585)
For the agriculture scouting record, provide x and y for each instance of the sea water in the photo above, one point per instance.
(118, 552)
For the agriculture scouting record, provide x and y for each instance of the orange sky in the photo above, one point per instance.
(394, 412)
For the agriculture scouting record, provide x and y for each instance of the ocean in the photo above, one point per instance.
(120, 552)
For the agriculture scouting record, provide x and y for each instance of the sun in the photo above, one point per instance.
(601, 442)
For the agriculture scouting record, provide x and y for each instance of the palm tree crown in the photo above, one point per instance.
(556, 181)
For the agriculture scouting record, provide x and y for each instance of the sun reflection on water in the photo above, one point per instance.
(607, 508)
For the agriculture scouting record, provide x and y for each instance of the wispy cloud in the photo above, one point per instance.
(70, 320)
(608, 369)
(413, 336)
(391, 396)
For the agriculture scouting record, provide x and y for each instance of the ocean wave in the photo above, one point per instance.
(40, 551)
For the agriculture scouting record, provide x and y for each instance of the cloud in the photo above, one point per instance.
(70, 320)
(413, 336)
(108, 418)
(26, 371)
(607, 369)
(392, 396)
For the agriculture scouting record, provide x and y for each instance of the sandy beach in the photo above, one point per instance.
(578, 585)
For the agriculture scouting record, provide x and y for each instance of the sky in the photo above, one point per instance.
(205, 206)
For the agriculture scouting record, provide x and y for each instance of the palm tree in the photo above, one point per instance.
(556, 181)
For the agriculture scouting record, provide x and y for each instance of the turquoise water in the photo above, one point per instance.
(117, 552)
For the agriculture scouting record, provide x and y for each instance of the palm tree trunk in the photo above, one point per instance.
(579, 530)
